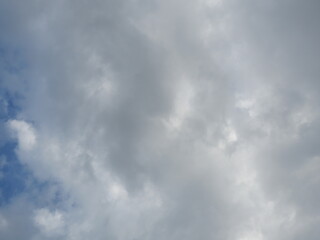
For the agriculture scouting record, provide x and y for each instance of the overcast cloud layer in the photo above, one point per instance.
(160, 119)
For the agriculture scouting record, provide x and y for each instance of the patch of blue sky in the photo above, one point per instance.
(16, 179)
(12, 173)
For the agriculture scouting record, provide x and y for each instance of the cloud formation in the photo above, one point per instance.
(162, 119)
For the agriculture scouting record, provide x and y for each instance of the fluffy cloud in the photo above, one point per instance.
(164, 119)
(25, 134)
(50, 223)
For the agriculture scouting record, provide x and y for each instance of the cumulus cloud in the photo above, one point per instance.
(50, 223)
(163, 119)
(24, 133)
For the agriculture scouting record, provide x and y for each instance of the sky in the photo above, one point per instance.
(159, 120)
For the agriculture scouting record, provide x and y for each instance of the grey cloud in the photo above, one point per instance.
(170, 119)
(278, 41)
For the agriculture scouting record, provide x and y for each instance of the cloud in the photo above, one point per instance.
(25, 134)
(50, 223)
(164, 119)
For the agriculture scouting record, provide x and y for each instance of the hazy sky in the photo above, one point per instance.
(159, 119)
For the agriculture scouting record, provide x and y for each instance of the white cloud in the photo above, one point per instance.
(50, 223)
(25, 134)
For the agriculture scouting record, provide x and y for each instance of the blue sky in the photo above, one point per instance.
(13, 173)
